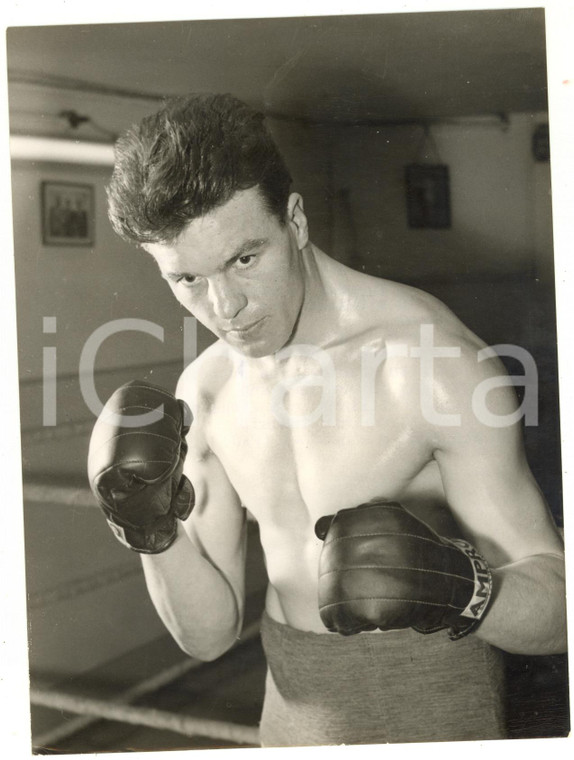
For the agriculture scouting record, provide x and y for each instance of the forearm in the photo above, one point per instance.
(527, 614)
(193, 598)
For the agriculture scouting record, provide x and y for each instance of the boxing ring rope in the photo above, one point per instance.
(120, 710)
(145, 716)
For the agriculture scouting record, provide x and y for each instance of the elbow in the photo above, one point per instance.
(202, 653)
(207, 648)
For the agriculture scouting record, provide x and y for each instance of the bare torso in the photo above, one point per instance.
(294, 452)
(289, 477)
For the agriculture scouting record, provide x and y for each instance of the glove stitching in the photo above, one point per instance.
(135, 432)
(134, 461)
(139, 406)
(149, 527)
(388, 599)
(378, 505)
(397, 567)
(143, 432)
(392, 533)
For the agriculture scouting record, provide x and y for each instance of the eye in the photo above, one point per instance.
(244, 261)
(187, 279)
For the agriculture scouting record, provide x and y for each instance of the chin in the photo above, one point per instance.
(257, 349)
(254, 351)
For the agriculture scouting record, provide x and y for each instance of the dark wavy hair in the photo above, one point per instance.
(186, 160)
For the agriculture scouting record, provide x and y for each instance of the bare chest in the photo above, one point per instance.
(312, 442)
(309, 446)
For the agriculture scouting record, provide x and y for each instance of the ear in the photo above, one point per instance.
(297, 220)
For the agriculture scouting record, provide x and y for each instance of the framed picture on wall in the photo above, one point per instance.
(428, 196)
(67, 213)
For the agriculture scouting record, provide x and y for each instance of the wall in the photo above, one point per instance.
(109, 280)
(493, 197)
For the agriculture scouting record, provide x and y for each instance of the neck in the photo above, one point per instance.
(327, 308)
(319, 322)
(317, 318)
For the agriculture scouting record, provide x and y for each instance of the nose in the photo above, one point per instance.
(226, 299)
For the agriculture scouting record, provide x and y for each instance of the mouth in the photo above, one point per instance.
(244, 332)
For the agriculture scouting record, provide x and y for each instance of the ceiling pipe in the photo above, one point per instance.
(54, 150)
(57, 150)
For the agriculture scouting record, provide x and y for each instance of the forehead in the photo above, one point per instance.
(210, 240)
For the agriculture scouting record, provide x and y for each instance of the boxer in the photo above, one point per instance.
(389, 510)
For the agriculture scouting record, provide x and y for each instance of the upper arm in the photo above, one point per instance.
(217, 524)
(487, 480)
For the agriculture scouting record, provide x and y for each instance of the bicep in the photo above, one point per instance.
(217, 524)
(492, 493)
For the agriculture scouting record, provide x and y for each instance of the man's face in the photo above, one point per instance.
(239, 272)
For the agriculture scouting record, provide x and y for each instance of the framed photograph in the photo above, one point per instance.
(428, 196)
(67, 213)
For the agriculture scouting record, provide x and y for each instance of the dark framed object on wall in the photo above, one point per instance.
(541, 143)
(67, 213)
(428, 196)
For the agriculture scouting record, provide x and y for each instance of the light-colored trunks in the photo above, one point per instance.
(374, 688)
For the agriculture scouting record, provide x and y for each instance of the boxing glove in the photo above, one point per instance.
(382, 568)
(135, 466)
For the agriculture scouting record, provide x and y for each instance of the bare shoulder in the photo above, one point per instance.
(407, 317)
(202, 380)
(407, 309)
(435, 353)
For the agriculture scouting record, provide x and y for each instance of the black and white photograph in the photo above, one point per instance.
(291, 460)
(67, 213)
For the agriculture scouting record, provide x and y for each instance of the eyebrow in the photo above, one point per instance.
(245, 248)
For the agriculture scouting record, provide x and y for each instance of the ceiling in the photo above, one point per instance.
(378, 68)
